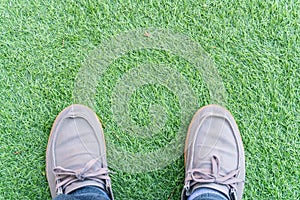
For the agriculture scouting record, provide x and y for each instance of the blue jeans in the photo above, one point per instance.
(207, 194)
(85, 193)
(95, 193)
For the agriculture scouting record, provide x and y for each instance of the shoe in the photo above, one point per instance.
(76, 152)
(214, 154)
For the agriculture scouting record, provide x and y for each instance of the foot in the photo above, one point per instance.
(76, 152)
(214, 154)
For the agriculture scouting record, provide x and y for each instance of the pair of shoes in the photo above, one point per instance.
(214, 155)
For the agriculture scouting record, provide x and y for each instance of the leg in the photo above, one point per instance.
(214, 157)
(85, 193)
(207, 194)
(76, 156)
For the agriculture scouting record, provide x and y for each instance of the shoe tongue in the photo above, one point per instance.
(79, 184)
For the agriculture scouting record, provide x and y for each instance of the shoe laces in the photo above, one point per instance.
(65, 177)
(199, 175)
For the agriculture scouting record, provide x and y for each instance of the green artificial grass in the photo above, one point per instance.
(254, 45)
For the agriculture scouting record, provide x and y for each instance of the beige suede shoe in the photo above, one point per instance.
(214, 154)
(76, 152)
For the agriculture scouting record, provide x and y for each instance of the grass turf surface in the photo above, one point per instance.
(255, 47)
